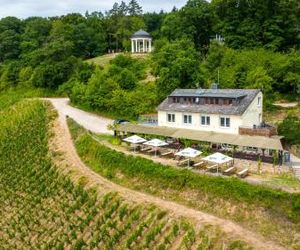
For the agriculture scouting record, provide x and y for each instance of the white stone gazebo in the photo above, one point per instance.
(141, 42)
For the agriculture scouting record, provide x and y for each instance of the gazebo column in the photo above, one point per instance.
(132, 46)
(136, 46)
(150, 45)
(143, 45)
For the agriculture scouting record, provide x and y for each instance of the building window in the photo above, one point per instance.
(187, 119)
(171, 117)
(205, 120)
(258, 101)
(225, 122)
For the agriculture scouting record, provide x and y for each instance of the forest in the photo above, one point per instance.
(261, 50)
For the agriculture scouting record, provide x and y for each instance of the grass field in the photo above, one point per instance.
(269, 212)
(40, 208)
(105, 59)
(278, 114)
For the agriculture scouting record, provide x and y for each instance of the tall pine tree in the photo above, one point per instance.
(134, 9)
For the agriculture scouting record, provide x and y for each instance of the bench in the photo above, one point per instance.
(230, 171)
(145, 149)
(213, 167)
(153, 150)
(198, 164)
(180, 163)
(243, 173)
(166, 153)
(134, 147)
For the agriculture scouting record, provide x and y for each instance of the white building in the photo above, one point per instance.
(215, 110)
(141, 42)
(224, 118)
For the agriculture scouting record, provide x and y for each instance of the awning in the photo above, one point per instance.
(196, 135)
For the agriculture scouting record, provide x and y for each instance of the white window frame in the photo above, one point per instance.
(225, 122)
(188, 116)
(259, 101)
(206, 118)
(173, 117)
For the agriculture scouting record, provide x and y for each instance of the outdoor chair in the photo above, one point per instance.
(229, 171)
(243, 173)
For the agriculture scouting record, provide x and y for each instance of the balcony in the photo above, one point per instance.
(263, 130)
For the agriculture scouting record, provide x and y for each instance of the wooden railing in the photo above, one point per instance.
(149, 119)
(258, 131)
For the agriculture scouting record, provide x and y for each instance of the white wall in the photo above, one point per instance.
(235, 122)
(251, 116)
(248, 119)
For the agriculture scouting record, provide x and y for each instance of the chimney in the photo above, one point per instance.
(214, 86)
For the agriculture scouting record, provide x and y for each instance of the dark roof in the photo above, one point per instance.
(141, 34)
(246, 97)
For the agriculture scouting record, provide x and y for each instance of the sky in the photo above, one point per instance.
(46, 8)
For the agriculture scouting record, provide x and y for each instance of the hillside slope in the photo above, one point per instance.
(78, 169)
(42, 208)
(105, 59)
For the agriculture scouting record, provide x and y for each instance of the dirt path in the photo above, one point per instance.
(286, 104)
(70, 162)
(94, 123)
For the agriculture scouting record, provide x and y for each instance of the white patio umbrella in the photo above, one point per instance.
(189, 153)
(156, 143)
(135, 139)
(218, 158)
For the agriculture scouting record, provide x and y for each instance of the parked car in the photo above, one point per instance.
(120, 121)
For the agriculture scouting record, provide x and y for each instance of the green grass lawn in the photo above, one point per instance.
(105, 59)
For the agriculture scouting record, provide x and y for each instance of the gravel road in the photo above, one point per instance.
(92, 122)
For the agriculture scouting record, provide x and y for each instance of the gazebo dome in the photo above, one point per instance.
(141, 34)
